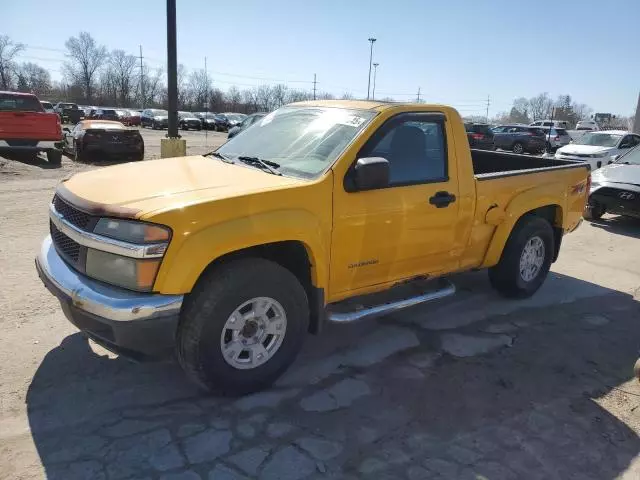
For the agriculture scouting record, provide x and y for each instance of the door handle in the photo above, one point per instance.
(442, 199)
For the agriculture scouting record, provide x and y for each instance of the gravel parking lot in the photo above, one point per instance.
(472, 387)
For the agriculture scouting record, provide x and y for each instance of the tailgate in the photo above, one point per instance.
(29, 126)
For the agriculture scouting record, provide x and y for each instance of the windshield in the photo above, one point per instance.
(632, 157)
(305, 141)
(46, 105)
(235, 118)
(106, 126)
(159, 113)
(599, 139)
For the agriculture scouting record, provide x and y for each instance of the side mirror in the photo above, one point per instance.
(66, 129)
(371, 173)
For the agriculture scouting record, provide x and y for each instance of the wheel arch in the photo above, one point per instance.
(547, 207)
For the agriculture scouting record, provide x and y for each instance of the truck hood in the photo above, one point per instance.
(618, 173)
(584, 149)
(170, 183)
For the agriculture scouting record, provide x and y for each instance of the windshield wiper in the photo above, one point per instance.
(267, 165)
(219, 155)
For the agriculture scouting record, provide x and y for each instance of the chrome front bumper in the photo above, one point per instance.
(98, 299)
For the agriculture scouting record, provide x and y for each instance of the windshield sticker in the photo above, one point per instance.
(352, 121)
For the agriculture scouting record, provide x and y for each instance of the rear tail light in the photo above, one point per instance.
(477, 136)
(556, 138)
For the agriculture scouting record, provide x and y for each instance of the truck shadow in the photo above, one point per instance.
(37, 160)
(619, 225)
(542, 405)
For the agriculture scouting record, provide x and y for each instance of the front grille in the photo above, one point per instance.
(71, 214)
(612, 195)
(68, 248)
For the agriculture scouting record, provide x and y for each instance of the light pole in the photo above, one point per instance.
(371, 40)
(375, 73)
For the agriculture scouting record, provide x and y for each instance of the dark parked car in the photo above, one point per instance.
(615, 188)
(246, 123)
(113, 139)
(69, 112)
(234, 119)
(480, 136)
(519, 138)
(208, 120)
(105, 114)
(188, 120)
(154, 118)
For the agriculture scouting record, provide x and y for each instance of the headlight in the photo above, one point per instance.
(132, 232)
(599, 155)
(126, 272)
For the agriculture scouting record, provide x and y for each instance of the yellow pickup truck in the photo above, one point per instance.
(230, 258)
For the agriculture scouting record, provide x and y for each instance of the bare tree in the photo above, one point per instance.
(541, 106)
(279, 94)
(199, 87)
(298, 96)
(33, 78)
(86, 57)
(184, 92)
(8, 51)
(264, 97)
(123, 70)
(234, 98)
(347, 96)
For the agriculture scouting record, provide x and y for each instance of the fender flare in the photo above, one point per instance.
(551, 195)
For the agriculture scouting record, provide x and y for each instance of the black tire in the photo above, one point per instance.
(593, 212)
(505, 277)
(216, 295)
(22, 143)
(518, 148)
(154, 126)
(54, 157)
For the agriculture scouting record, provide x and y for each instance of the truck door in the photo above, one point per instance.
(409, 227)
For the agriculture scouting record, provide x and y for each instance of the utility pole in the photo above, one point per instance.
(636, 121)
(206, 102)
(142, 102)
(314, 86)
(173, 145)
(418, 100)
(375, 73)
(371, 40)
(488, 103)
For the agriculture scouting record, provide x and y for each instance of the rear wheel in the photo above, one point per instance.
(518, 148)
(78, 155)
(54, 157)
(525, 260)
(242, 326)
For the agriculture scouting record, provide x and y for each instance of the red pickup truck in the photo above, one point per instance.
(24, 123)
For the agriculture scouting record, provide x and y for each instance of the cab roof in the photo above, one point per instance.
(373, 105)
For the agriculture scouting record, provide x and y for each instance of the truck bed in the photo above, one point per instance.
(489, 164)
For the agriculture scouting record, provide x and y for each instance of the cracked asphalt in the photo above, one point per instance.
(473, 386)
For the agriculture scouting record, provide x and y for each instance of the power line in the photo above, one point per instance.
(488, 103)
(141, 79)
(418, 99)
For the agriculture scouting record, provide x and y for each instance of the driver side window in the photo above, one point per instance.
(414, 148)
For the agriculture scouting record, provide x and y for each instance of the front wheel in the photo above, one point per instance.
(526, 259)
(242, 326)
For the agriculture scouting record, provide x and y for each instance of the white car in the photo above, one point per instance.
(48, 106)
(550, 123)
(587, 125)
(599, 148)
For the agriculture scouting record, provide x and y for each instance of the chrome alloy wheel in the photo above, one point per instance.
(532, 258)
(253, 333)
